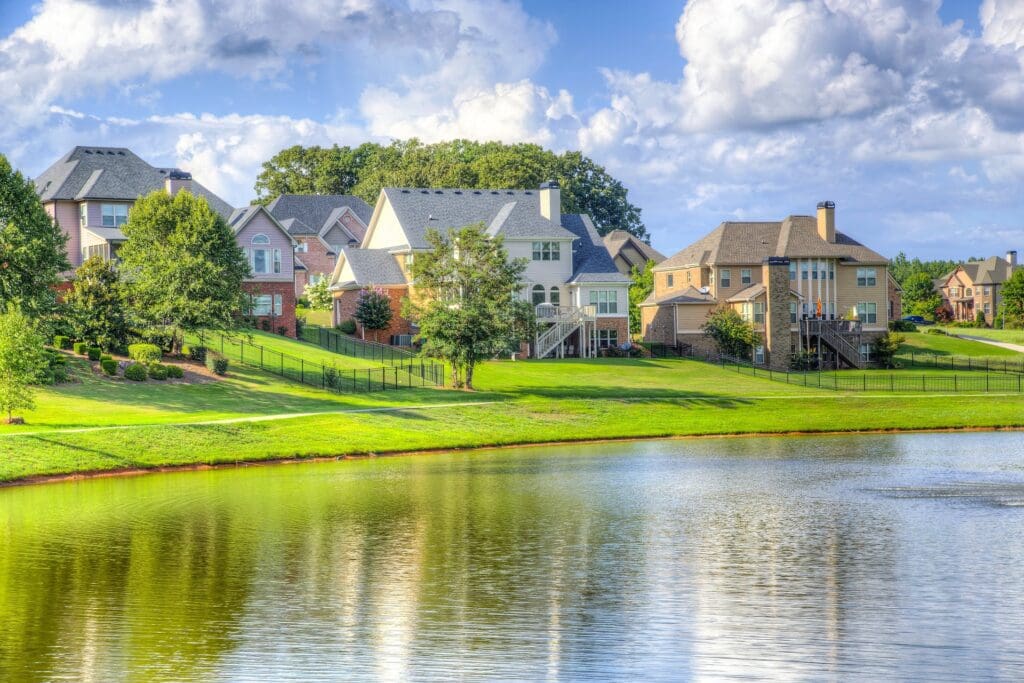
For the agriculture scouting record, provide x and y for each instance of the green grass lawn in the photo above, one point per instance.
(294, 352)
(942, 345)
(1008, 336)
(524, 402)
(321, 318)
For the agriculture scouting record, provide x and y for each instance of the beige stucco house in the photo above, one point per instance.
(803, 285)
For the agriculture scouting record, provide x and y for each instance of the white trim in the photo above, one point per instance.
(249, 215)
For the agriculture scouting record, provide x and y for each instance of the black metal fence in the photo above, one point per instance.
(407, 375)
(915, 359)
(345, 345)
(880, 381)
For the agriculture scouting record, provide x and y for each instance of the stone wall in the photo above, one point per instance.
(777, 334)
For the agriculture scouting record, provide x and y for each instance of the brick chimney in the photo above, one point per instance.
(1011, 257)
(827, 221)
(177, 180)
(551, 201)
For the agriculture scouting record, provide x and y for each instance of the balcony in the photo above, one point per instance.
(550, 313)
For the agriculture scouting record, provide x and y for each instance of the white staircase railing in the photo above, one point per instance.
(565, 320)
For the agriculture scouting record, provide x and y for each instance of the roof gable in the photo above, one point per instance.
(242, 217)
(315, 213)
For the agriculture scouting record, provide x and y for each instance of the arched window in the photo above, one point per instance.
(538, 295)
(260, 239)
(555, 297)
(263, 259)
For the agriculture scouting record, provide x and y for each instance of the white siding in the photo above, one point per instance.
(387, 232)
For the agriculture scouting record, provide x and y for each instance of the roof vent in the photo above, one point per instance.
(178, 174)
(477, 192)
(110, 152)
(438, 192)
(405, 191)
(458, 191)
(88, 151)
(121, 153)
(431, 217)
(510, 192)
(424, 191)
(163, 171)
(527, 192)
(493, 192)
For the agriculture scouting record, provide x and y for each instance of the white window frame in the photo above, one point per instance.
(865, 352)
(794, 312)
(261, 247)
(118, 215)
(538, 295)
(547, 251)
(867, 277)
(792, 271)
(746, 276)
(83, 215)
(555, 296)
(725, 278)
(262, 305)
(606, 301)
(607, 338)
(759, 354)
(759, 312)
(302, 248)
(867, 312)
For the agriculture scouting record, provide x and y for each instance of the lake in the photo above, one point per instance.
(872, 557)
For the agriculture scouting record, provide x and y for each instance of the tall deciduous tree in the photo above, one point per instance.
(96, 305)
(1013, 300)
(464, 299)
(639, 289)
(182, 266)
(373, 311)
(22, 361)
(919, 295)
(32, 247)
(586, 186)
(732, 335)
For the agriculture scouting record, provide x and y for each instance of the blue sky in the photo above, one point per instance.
(910, 114)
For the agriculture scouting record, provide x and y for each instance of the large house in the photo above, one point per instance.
(628, 251)
(581, 297)
(89, 192)
(976, 286)
(804, 286)
(322, 225)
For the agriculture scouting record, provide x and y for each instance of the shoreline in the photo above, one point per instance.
(84, 475)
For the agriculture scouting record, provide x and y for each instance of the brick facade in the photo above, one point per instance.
(315, 258)
(345, 308)
(657, 324)
(287, 292)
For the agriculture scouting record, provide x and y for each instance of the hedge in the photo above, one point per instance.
(94, 352)
(174, 372)
(145, 353)
(216, 363)
(158, 372)
(109, 366)
(62, 342)
(348, 326)
(196, 353)
(136, 372)
(81, 348)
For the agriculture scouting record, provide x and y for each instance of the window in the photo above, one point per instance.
(277, 260)
(408, 260)
(605, 301)
(745, 276)
(752, 312)
(670, 281)
(831, 271)
(866, 277)
(759, 312)
(969, 292)
(606, 338)
(114, 215)
(261, 257)
(538, 295)
(689, 277)
(278, 304)
(953, 291)
(759, 355)
(988, 308)
(83, 215)
(988, 291)
(556, 296)
(867, 312)
(302, 248)
(865, 352)
(261, 304)
(546, 251)
(792, 270)
(94, 250)
(725, 277)
(805, 271)
(792, 312)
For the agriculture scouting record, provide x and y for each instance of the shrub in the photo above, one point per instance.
(158, 372)
(94, 352)
(109, 366)
(265, 325)
(174, 372)
(144, 353)
(331, 378)
(136, 372)
(196, 353)
(283, 331)
(935, 330)
(217, 364)
(81, 348)
(300, 325)
(105, 356)
(59, 375)
(348, 326)
(62, 342)
(902, 326)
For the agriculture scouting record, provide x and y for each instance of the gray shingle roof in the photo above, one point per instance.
(419, 210)
(992, 271)
(312, 211)
(734, 243)
(373, 267)
(590, 258)
(617, 240)
(691, 295)
(87, 173)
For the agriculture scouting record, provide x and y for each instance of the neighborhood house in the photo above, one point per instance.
(90, 191)
(805, 287)
(580, 296)
(976, 287)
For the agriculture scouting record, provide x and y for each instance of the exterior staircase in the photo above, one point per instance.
(836, 334)
(562, 321)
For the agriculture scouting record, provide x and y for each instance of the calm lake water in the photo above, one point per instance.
(872, 557)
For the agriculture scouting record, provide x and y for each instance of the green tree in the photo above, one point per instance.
(464, 300)
(586, 186)
(32, 247)
(319, 294)
(373, 310)
(885, 348)
(919, 295)
(639, 289)
(182, 266)
(903, 268)
(732, 335)
(22, 361)
(96, 305)
(1013, 301)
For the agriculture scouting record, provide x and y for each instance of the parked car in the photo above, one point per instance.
(917, 320)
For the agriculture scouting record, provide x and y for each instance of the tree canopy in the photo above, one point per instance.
(373, 310)
(22, 361)
(364, 170)
(464, 299)
(639, 289)
(32, 247)
(919, 295)
(182, 266)
(1013, 300)
(96, 306)
(732, 335)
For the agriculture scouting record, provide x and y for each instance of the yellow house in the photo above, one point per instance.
(803, 285)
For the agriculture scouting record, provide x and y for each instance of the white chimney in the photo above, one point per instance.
(551, 201)
(1011, 256)
(177, 180)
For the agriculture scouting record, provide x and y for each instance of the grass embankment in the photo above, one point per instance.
(943, 345)
(1007, 336)
(144, 426)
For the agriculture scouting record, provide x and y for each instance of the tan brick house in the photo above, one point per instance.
(804, 286)
(580, 296)
(976, 286)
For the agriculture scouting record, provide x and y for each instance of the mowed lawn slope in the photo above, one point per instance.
(943, 345)
(516, 403)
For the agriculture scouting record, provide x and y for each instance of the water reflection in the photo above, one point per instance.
(794, 558)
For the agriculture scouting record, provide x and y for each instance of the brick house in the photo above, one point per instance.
(976, 286)
(89, 192)
(580, 296)
(804, 286)
(322, 225)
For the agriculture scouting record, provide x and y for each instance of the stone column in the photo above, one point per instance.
(778, 337)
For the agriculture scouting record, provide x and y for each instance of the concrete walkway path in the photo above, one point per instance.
(1003, 345)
